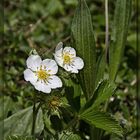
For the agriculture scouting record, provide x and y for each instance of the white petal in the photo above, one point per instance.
(59, 49)
(51, 66)
(59, 60)
(33, 62)
(42, 86)
(59, 54)
(54, 82)
(30, 76)
(69, 50)
(78, 63)
(70, 68)
(59, 46)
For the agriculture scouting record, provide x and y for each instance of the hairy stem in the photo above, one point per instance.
(107, 29)
(34, 116)
(34, 119)
(106, 40)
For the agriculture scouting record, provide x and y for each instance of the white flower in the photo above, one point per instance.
(41, 74)
(67, 59)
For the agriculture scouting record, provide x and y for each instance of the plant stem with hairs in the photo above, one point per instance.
(34, 116)
(107, 30)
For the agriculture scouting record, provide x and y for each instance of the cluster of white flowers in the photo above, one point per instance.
(42, 73)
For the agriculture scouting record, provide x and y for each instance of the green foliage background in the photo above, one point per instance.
(41, 25)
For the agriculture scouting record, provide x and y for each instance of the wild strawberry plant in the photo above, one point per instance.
(72, 89)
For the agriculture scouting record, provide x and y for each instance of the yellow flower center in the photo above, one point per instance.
(42, 74)
(67, 58)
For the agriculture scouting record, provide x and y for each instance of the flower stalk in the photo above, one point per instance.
(107, 30)
(34, 116)
(35, 111)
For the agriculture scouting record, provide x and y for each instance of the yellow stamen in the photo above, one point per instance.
(42, 74)
(67, 58)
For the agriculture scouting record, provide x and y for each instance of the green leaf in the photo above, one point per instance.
(119, 35)
(20, 123)
(102, 120)
(6, 105)
(47, 124)
(132, 40)
(69, 136)
(103, 92)
(84, 43)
